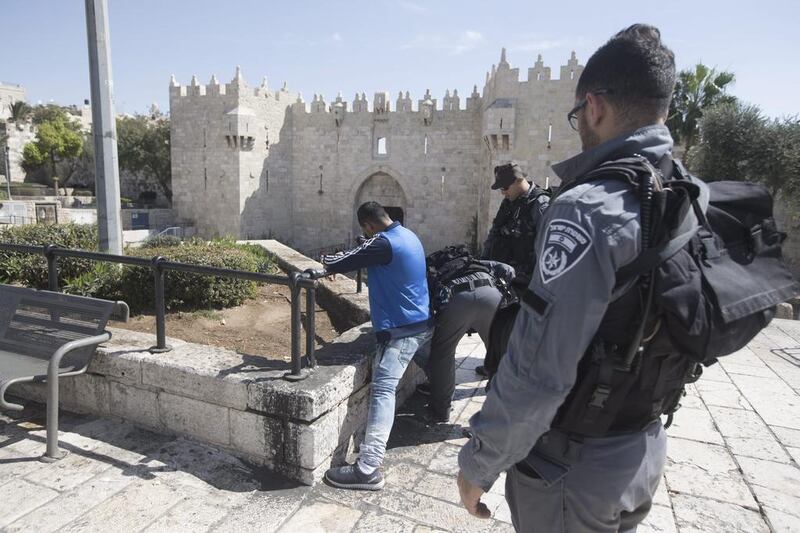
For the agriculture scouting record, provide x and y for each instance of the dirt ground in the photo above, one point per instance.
(261, 326)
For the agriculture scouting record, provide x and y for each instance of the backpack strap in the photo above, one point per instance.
(652, 257)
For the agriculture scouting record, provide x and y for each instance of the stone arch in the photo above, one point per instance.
(381, 187)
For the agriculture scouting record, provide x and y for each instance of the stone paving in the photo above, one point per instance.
(733, 452)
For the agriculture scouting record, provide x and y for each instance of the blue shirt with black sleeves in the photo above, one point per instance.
(398, 288)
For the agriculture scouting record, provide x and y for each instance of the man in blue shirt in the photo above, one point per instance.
(398, 301)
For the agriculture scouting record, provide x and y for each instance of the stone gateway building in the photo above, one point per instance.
(254, 162)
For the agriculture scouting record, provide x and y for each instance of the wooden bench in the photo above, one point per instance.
(45, 336)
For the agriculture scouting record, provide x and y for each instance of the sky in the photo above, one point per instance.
(381, 45)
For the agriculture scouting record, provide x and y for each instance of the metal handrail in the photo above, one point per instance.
(160, 266)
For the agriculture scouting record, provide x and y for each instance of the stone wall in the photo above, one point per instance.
(787, 217)
(18, 136)
(255, 163)
(235, 401)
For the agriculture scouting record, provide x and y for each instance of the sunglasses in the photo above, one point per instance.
(572, 116)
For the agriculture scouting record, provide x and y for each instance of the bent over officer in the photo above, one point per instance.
(471, 299)
(558, 477)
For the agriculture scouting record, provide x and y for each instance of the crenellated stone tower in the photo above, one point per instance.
(252, 163)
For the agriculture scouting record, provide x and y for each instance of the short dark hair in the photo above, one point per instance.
(637, 70)
(371, 212)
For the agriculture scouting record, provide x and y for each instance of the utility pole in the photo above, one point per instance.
(104, 128)
(8, 171)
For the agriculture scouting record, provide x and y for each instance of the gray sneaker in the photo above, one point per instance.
(350, 477)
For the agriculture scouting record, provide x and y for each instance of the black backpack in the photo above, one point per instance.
(715, 282)
(707, 281)
(447, 264)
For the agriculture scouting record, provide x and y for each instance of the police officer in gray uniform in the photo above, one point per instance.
(557, 479)
(511, 236)
(470, 302)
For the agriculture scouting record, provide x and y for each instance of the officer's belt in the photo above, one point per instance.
(470, 282)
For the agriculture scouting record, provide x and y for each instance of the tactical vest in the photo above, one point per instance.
(701, 294)
(514, 241)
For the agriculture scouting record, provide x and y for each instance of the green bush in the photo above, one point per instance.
(135, 285)
(161, 241)
(188, 291)
(101, 281)
(31, 270)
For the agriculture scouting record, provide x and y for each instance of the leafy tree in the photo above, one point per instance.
(738, 143)
(143, 146)
(54, 113)
(695, 91)
(56, 140)
(19, 111)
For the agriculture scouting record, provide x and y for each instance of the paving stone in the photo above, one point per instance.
(775, 484)
(700, 469)
(130, 509)
(446, 460)
(189, 516)
(762, 371)
(703, 515)
(787, 436)
(497, 506)
(322, 517)
(431, 511)
(404, 474)
(263, 511)
(782, 522)
(746, 434)
(20, 497)
(469, 410)
(795, 453)
(69, 472)
(377, 521)
(776, 402)
(438, 486)
(14, 465)
(659, 520)
(502, 527)
(715, 373)
(661, 497)
(768, 449)
(695, 424)
(722, 394)
(69, 506)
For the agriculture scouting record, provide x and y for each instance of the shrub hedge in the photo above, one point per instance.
(134, 285)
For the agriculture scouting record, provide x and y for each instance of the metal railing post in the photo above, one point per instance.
(161, 321)
(52, 267)
(311, 324)
(358, 280)
(296, 374)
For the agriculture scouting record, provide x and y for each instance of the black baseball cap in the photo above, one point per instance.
(505, 175)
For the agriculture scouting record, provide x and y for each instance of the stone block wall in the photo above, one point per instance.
(238, 402)
(256, 163)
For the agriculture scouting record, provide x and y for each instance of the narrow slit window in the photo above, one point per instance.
(382, 146)
(425, 149)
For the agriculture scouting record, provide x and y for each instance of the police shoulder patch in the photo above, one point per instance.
(565, 244)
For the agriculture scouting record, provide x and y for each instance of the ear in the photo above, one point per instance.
(597, 109)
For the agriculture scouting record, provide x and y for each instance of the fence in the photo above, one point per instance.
(160, 266)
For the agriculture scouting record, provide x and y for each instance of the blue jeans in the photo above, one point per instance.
(391, 360)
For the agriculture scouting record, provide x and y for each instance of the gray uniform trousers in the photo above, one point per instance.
(609, 489)
(470, 309)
